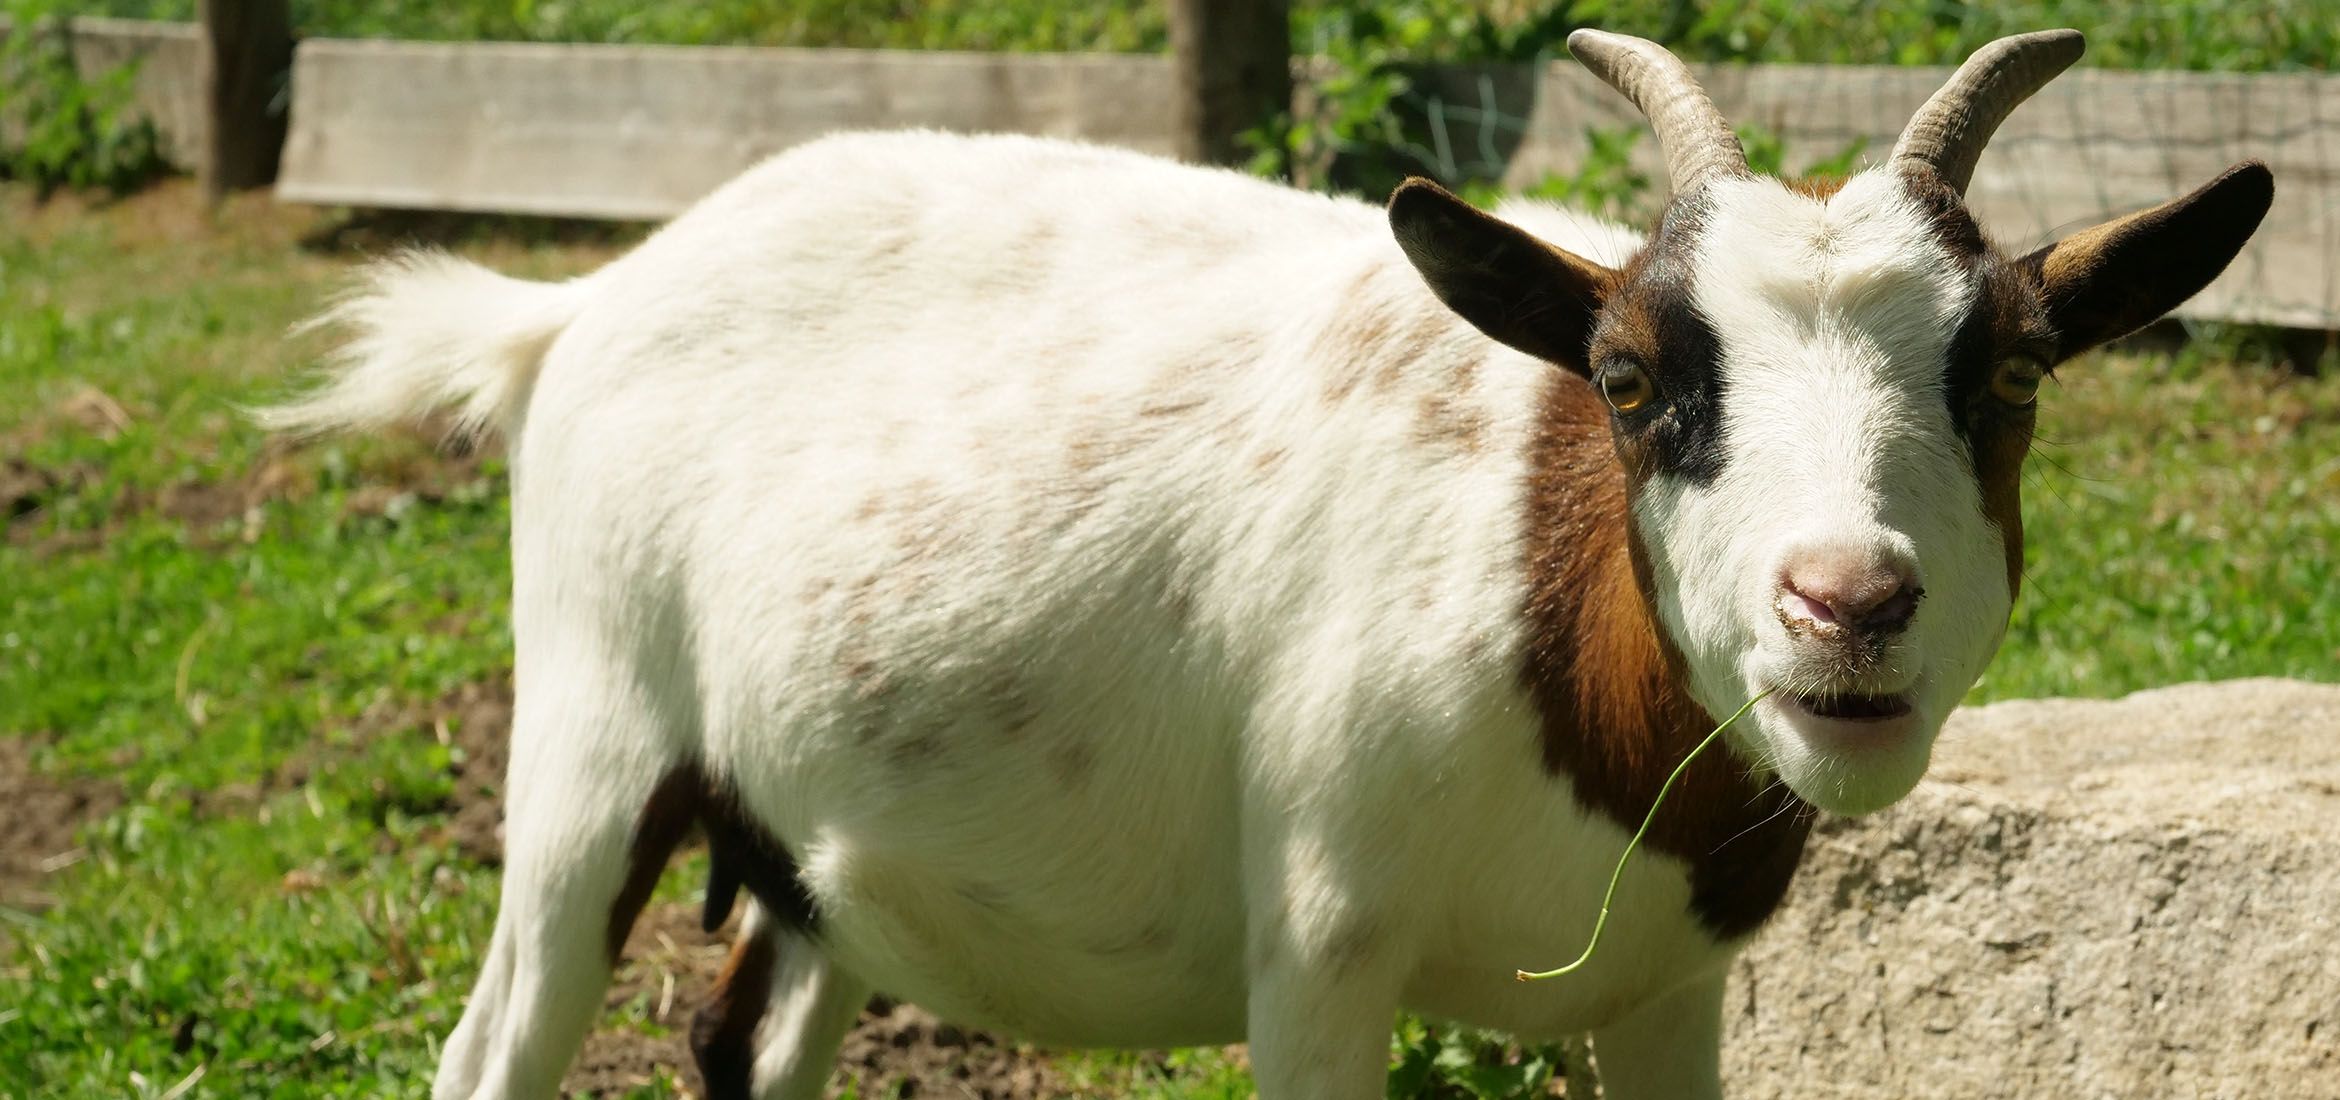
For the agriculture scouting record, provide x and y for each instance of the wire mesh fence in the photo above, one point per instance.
(641, 131)
(2093, 144)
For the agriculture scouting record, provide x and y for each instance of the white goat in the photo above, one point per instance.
(1120, 603)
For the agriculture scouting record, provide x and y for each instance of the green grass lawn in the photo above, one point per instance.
(237, 636)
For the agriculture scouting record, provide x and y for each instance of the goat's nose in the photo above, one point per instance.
(1863, 592)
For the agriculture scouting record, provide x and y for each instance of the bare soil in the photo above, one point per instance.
(37, 831)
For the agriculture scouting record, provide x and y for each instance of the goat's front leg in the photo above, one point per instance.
(1320, 1035)
(1326, 971)
(1669, 1048)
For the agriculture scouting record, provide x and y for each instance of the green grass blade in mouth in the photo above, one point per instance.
(1602, 921)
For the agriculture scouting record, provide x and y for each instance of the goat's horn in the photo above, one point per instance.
(1949, 132)
(1696, 140)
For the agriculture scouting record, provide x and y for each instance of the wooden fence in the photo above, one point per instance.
(640, 131)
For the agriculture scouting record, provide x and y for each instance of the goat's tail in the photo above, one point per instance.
(429, 332)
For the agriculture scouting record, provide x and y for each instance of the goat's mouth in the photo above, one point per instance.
(1851, 724)
(1851, 707)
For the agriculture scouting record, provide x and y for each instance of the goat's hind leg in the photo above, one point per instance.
(778, 1013)
(592, 811)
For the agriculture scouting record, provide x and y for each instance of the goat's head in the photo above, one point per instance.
(1822, 399)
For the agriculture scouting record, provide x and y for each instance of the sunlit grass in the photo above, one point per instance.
(315, 939)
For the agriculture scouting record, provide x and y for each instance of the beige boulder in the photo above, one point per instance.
(2130, 898)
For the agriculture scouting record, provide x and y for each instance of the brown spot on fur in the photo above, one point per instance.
(1178, 601)
(1609, 688)
(1172, 407)
(1441, 419)
(1268, 460)
(1818, 187)
(887, 246)
(869, 680)
(1353, 946)
(723, 1034)
(1072, 762)
(1009, 703)
(915, 750)
(1359, 333)
(1086, 453)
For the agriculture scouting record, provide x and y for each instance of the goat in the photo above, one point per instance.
(1119, 603)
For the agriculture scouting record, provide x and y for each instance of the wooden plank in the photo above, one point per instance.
(640, 132)
(168, 88)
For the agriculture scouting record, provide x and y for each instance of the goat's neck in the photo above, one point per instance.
(1612, 692)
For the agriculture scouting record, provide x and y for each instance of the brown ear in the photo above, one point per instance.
(2115, 278)
(1502, 279)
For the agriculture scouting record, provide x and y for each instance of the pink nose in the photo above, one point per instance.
(1865, 592)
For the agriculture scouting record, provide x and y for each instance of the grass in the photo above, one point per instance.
(2301, 35)
(314, 938)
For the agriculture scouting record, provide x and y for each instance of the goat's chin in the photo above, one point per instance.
(1846, 767)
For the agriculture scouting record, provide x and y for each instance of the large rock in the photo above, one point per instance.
(2086, 899)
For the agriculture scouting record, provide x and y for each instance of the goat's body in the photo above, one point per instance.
(1102, 580)
(1033, 572)
(1126, 604)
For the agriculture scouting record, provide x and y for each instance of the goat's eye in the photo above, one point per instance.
(1625, 385)
(2016, 381)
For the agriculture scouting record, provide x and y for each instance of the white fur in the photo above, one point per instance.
(1122, 660)
(1834, 320)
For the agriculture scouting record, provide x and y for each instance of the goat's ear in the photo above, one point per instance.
(1502, 279)
(2113, 279)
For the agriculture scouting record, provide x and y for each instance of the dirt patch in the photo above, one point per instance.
(478, 720)
(37, 830)
(670, 966)
(224, 508)
(28, 491)
(900, 1046)
(227, 509)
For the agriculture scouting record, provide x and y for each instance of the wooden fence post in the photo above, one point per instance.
(1233, 60)
(247, 56)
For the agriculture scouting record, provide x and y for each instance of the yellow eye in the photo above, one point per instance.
(2016, 382)
(1625, 385)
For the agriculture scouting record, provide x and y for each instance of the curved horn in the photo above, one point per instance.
(1696, 141)
(1948, 133)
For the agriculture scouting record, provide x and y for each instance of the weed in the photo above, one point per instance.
(60, 127)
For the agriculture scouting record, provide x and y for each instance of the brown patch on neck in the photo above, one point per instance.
(1611, 691)
(723, 1034)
